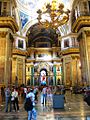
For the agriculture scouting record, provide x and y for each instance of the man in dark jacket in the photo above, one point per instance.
(31, 112)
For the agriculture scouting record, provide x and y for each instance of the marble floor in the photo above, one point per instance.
(74, 109)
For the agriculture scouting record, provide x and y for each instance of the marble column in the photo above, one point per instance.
(54, 71)
(8, 27)
(32, 75)
(5, 56)
(84, 42)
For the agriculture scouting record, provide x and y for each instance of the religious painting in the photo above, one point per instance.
(24, 18)
(43, 77)
(66, 43)
(20, 43)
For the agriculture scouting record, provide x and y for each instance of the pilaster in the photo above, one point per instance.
(18, 70)
(8, 27)
(32, 75)
(5, 56)
(54, 71)
(84, 42)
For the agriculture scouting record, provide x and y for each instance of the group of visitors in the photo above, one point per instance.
(48, 91)
(31, 93)
(11, 99)
(12, 94)
(46, 97)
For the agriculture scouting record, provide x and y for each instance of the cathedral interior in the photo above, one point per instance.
(33, 54)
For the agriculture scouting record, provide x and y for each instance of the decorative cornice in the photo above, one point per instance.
(80, 22)
(70, 51)
(56, 60)
(69, 35)
(43, 49)
(9, 22)
(30, 60)
(19, 52)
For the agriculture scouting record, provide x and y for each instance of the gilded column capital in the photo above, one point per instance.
(9, 22)
(87, 32)
(3, 34)
(81, 22)
(80, 36)
(75, 57)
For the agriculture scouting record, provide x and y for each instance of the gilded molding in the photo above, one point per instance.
(70, 51)
(29, 60)
(9, 22)
(80, 22)
(19, 52)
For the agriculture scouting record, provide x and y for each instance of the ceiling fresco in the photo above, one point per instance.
(35, 4)
(28, 9)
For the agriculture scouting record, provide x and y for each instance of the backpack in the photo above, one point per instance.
(28, 105)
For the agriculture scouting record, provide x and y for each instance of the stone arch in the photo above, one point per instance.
(28, 25)
(44, 69)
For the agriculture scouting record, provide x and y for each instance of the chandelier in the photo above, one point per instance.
(54, 15)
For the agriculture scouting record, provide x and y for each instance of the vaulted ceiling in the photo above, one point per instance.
(27, 11)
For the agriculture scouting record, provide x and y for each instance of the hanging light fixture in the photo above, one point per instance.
(53, 16)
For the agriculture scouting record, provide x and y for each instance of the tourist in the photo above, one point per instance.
(49, 96)
(14, 99)
(44, 94)
(7, 99)
(31, 113)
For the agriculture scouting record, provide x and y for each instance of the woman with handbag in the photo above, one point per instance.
(14, 99)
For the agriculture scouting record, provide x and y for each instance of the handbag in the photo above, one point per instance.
(12, 98)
